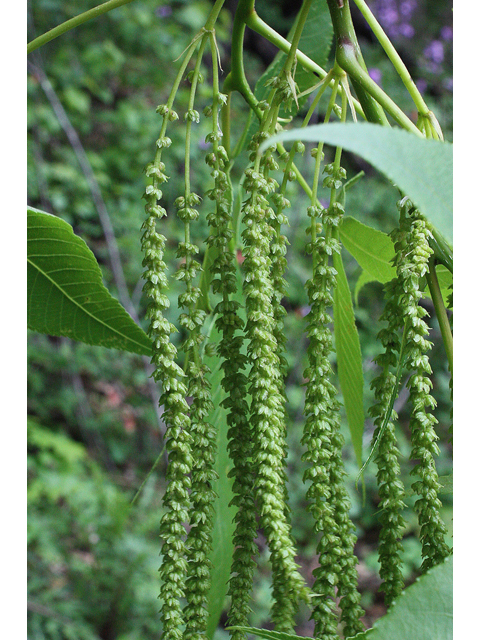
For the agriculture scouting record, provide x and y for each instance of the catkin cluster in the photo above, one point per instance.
(234, 382)
(176, 411)
(411, 261)
(390, 486)
(328, 500)
(252, 358)
(190, 438)
(266, 407)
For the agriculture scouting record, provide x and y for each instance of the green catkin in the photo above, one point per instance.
(390, 487)
(234, 381)
(176, 499)
(267, 413)
(412, 255)
(318, 431)
(199, 539)
(347, 577)
(329, 503)
(347, 573)
(278, 250)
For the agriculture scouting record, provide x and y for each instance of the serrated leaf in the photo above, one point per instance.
(267, 634)
(372, 249)
(223, 524)
(421, 168)
(349, 357)
(66, 296)
(363, 279)
(424, 611)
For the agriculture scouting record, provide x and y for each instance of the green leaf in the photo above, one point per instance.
(349, 357)
(66, 296)
(315, 42)
(363, 279)
(372, 249)
(424, 611)
(223, 524)
(421, 168)
(267, 634)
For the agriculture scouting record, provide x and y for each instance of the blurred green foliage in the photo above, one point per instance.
(93, 434)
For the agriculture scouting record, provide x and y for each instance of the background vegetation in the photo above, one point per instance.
(94, 428)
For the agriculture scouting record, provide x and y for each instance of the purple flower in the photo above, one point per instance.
(446, 33)
(395, 16)
(448, 84)
(421, 85)
(434, 52)
(406, 30)
(407, 7)
(203, 145)
(375, 74)
(164, 11)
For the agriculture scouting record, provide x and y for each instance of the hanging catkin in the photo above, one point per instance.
(230, 325)
(199, 539)
(412, 255)
(390, 486)
(329, 503)
(266, 410)
(317, 437)
(176, 500)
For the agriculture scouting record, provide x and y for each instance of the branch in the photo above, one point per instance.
(74, 22)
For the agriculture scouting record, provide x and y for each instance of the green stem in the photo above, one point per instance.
(154, 466)
(441, 312)
(236, 79)
(345, 32)
(318, 159)
(347, 59)
(395, 59)
(213, 15)
(226, 112)
(302, 18)
(442, 250)
(255, 23)
(74, 22)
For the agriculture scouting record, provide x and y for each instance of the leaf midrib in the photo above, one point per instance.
(79, 306)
